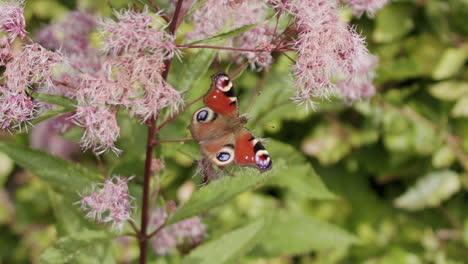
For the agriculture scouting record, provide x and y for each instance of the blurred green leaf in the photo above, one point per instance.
(6, 167)
(68, 248)
(430, 191)
(443, 157)
(461, 107)
(449, 90)
(393, 22)
(229, 247)
(450, 63)
(294, 234)
(219, 192)
(64, 175)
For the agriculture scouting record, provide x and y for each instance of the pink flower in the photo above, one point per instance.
(156, 98)
(183, 235)
(100, 128)
(212, 17)
(5, 51)
(70, 35)
(109, 202)
(329, 51)
(12, 19)
(135, 32)
(16, 109)
(368, 6)
(32, 65)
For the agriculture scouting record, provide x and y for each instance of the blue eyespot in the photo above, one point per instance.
(202, 116)
(223, 156)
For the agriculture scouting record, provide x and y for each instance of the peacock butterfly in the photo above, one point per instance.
(220, 131)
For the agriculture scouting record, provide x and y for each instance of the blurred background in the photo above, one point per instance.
(394, 168)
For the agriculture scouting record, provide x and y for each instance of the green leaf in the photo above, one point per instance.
(461, 107)
(219, 192)
(294, 234)
(393, 22)
(62, 174)
(449, 90)
(450, 63)
(6, 167)
(295, 173)
(194, 7)
(443, 157)
(68, 248)
(56, 99)
(56, 111)
(430, 191)
(195, 69)
(229, 247)
(229, 34)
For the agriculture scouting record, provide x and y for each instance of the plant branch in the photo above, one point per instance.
(152, 130)
(229, 48)
(158, 10)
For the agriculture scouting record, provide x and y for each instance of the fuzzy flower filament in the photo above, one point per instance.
(12, 19)
(109, 202)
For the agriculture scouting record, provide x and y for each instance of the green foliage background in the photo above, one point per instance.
(378, 181)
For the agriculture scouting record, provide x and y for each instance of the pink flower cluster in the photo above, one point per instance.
(331, 55)
(125, 73)
(109, 202)
(33, 65)
(368, 6)
(213, 16)
(183, 235)
(12, 19)
(70, 35)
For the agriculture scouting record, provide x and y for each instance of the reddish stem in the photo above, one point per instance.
(153, 4)
(152, 130)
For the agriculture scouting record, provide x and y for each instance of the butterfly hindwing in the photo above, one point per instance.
(249, 152)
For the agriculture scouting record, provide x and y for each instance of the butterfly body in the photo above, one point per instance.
(220, 131)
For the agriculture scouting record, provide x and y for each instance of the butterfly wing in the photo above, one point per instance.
(249, 152)
(221, 97)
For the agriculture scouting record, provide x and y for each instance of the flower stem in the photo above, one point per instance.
(152, 130)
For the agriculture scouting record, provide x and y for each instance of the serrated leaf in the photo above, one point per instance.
(430, 191)
(229, 247)
(449, 90)
(294, 234)
(68, 248)
(450, 63)
(229, 34)
(64, 175)
(56, 99)
(219, 192)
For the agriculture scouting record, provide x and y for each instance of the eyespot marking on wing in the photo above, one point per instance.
(204, 114)
(225, 155)
(223, 83)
